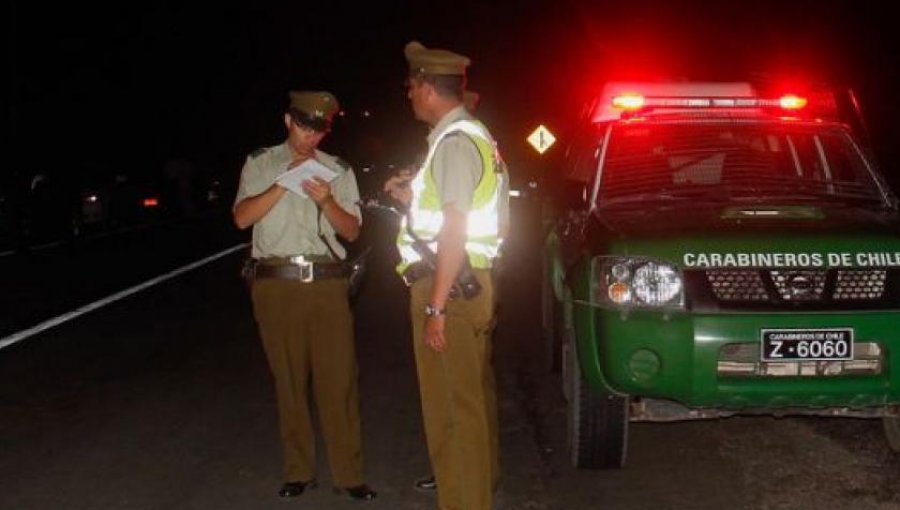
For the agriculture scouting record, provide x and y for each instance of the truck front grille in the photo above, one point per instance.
(859, 285)
(798, 286)
(737, 285)
(806, 285)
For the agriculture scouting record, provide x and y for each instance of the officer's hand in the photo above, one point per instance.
(434, 333)
(318, 190)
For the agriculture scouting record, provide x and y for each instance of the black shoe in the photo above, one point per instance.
(361, 492)
(426, 484)
(294, 489)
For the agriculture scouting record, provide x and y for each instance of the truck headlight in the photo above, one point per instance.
(637, 282)
(656, 284)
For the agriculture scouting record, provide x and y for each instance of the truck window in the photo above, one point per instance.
(733, 161)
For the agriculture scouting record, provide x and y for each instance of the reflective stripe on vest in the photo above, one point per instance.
(482, 220)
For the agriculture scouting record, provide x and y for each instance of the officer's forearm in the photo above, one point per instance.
(344, 223)
(251, 209)
(451, 254)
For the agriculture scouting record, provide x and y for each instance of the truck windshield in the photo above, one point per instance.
(734, 161)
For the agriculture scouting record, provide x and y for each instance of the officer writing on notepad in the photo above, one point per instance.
(299, 293)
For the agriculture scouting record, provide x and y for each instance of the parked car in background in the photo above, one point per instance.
(134, 200)
(49, 204)
(55, 208)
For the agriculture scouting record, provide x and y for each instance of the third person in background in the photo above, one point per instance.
(471, 100)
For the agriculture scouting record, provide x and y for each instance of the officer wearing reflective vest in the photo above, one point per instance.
(447, 244)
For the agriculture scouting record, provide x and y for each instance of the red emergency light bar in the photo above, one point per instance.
(629, 101)
(634, 102)
(792, 102)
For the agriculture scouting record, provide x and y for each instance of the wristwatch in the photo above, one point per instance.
(433, 311)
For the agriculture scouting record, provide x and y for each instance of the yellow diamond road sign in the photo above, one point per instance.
(541, 139)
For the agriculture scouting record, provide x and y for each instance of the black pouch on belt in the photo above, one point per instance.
(357, 267)
(468, 285)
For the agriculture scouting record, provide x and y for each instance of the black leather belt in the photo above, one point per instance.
(465, 285)
(303, 270)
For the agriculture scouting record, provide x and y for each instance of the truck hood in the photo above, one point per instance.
(751, 236)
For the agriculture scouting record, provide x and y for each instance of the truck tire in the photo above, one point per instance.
(892, 432)
(567, 352)
(597, 423)
(567, 355)
(552, 321)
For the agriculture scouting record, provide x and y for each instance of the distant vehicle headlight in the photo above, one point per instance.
(636, 282)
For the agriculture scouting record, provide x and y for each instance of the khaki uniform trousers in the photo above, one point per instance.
(459, 402)
(307, 334)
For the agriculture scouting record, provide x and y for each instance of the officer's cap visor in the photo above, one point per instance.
(304, 119)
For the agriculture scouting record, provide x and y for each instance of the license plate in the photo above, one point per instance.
(806, 344)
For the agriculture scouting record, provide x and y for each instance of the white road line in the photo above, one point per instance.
(21, 335)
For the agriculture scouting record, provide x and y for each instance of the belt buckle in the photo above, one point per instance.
(306, 268)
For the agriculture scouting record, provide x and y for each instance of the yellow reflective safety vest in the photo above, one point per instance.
(426, 214)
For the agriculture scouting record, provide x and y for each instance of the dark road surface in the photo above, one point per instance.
(45, 282)
(163, 401)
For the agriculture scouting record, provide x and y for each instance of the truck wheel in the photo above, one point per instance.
(597, 423)
(892, 432)
(567, 353)
(551, 321)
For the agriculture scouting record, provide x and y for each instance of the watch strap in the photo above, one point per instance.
(433, 311)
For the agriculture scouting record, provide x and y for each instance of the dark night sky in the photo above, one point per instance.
(133, 83)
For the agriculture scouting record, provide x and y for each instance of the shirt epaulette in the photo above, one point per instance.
(343, 164)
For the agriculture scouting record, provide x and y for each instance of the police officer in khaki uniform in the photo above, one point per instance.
(453, 210)
(299, 293)
(471, 100)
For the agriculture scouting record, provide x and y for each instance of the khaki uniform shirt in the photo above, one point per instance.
(289, 228)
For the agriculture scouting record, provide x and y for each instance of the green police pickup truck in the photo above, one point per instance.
(726, 253)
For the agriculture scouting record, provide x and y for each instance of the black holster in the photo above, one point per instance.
(465, 285)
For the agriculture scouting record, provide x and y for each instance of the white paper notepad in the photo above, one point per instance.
(294, 177)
